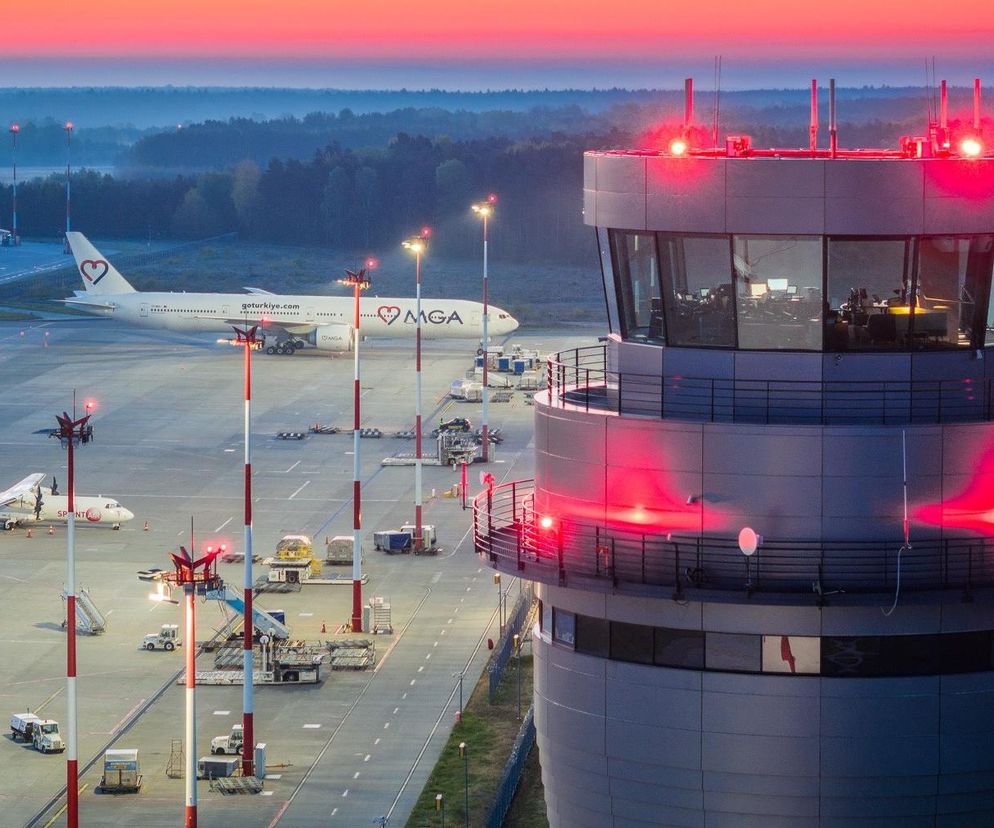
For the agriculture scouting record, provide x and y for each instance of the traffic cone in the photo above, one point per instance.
(324, 627)
(29, 531)
(146, 525)
(51, 530)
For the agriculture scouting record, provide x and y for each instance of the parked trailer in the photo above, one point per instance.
(121, 772)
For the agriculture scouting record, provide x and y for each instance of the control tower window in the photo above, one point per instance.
(954, 274)
(869, 288)
(697, 290)
(778, 292)
(636, 268)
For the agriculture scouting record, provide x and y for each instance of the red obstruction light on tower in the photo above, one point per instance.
(678, 147)
(546, 522)
(971, 147)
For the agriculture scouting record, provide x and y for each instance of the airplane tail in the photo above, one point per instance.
(99, 275)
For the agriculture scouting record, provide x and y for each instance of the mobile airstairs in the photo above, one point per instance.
(88, 618)
(265, 623)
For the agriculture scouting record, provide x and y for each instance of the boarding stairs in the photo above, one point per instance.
(88, 618)
(261, 620)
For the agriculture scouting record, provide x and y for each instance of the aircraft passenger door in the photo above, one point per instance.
(476, 321)
(143, 309)
(310, 315)
(224, 311)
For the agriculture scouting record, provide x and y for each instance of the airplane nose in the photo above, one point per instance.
(126, 515)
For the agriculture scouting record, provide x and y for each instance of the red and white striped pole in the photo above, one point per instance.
(358, 281)
(72, 759)
(248, 704)
(189, 594)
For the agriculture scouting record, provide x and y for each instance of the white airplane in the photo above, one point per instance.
(30, 502)
(322, 321)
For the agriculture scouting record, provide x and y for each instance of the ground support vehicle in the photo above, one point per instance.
(42, 733)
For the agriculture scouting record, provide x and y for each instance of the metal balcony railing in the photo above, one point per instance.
(559, 550)
(580, 378)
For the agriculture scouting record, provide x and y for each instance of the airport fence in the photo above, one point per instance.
(505, 646)
(512, 771)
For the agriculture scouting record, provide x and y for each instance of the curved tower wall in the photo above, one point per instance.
(739, 702)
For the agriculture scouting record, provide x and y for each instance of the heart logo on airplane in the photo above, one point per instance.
(93, 270)
(388, 313)
(93, 515)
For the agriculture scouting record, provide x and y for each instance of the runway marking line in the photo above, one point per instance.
(305, 485)
(39, 708)
(376, 741)
(355, 775)
(345, 792)
(311, 726)
(219, 528)
(386, 725)
(59, 812)
(366, 757)
(396, 710)
(125, 718)
(222, 712)
(421, 669)
(277, 818)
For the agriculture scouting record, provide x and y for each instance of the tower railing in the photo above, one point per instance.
(542, 545)
(580, 378)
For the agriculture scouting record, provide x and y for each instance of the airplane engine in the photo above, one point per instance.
(337, 338)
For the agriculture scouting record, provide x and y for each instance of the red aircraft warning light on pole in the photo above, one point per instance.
(359, 282)
(70, 432)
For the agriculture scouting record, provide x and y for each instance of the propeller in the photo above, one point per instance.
(55, 485)
(38, 503)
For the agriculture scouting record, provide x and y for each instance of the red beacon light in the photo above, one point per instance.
(546, 522)
(425, 232)
(971, 147)
(372, 263)
(678, 147)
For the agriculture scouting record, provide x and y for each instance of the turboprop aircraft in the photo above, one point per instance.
(324, 322)
(29, 502)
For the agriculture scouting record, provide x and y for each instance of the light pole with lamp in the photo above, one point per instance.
(250, 342)
(194, 583)
(485, 210)
(464, 753)
(70, 432)
(460, 675)
(359, 282)
(517, 650)
(500, 605)
(417, 245)
(440, 807)
(14, 130)
(68, 128)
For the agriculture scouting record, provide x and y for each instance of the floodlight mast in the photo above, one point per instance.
(358, 281)
(417, 245)
(69, 432)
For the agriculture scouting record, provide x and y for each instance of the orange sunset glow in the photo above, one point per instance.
(433, 29)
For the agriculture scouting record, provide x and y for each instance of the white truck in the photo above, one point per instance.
(165, 639)
(42, 733)
(231, 744)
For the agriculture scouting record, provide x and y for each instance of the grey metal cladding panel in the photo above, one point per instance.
(657, 792)
(888, 807)
(880, 716)
(874, 214)
(970, 180)
(702, 178)
(665, 446)
(754, 783)
(587, 603)
(857, 179)
(569, 727)
(662, 678)
(925, 821)
(880, 755)
(964, 820)
(772, 177)
(770, 685)
(634, 358)
(958, 215)
(772, 450)
(750, 715)
(619, 174)
(771, 366)
(967, 713)
(718, 819)
(657, 745)
(570, 478)
(623, 211)
(785, 215)
(947, 367)
(960, 617)
(769, 805)
(564, 657)
(631, 814)
(680, 615)
(701, 362)
(642, 704)
(574, 690)
(765, 496)
(878, 451)
(591, 761)
(966, 753)
(590, 207)
(869, 620)
(880, 497)
(866, 367)
(630, 768)
(859, 787)
(578, 436)
(966, 783)
(684, 214)
(776, 755)
(592, 789)
(589, 171)
(964, 445)
(762, 620)
(576, 804)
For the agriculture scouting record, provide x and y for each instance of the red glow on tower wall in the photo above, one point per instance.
(972, 509)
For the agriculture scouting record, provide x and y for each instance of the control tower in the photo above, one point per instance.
(762, 519)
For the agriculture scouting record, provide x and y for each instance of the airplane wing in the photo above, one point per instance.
(258, 291)
(80, 302)
(298, 328)
(27, 486)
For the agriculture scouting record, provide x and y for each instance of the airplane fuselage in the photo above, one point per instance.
(440, 318)
(55, 509)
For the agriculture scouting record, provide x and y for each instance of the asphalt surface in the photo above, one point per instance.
(168, 445)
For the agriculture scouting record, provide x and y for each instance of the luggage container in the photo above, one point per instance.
(217, 767)
(392, 541)
(121, 771)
